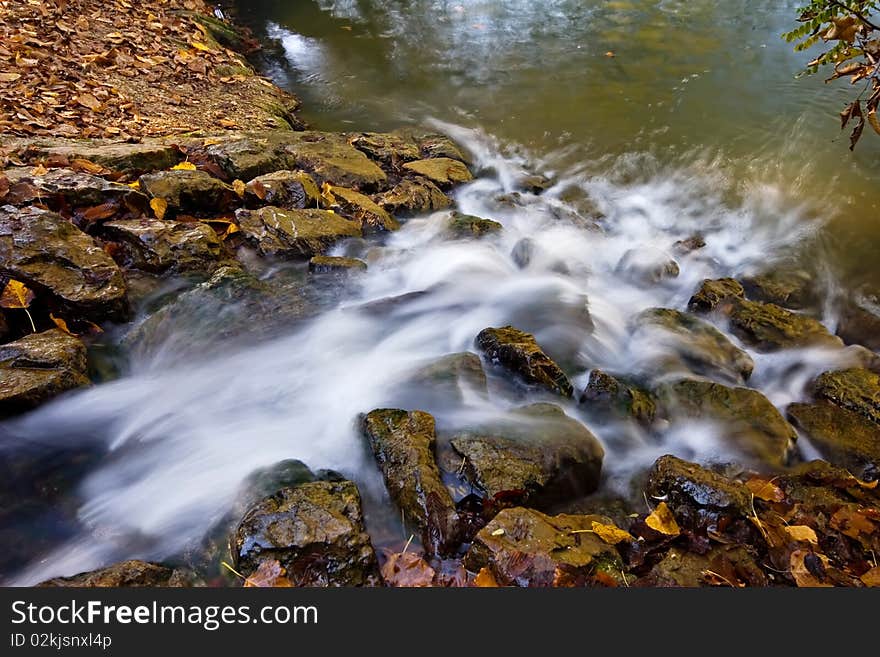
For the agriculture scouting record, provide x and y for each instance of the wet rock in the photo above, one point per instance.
(245, 158)
(700, 346)
(536, 453)
(335, 265)
(534, 183)
(523, 252)
(390, 148)
(132, 159)
(159, 246)
(128, 574)
(519, 353)
(403, 443)
(38, 367)
(686, 485)
(294, 233)
(463, 226)
(647, 266)
(412, 196)
(441, 170)
(330, 158)
(770, 327)
(523, 547)
(440, 146)
(47, 253)
(860, 319)
(315, 530)
(786, 287)
(67, 188)
(291, 190)
(679, 568)
(689, 245)
(187, 191)
(855, 389)
(748, 418)
(362, 209)
(714, 292)
(842, 436)
(451, 377)
(613, 396)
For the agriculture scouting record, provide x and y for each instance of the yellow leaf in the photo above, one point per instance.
(40, 170)
(765, 490)
(799, 571)
(9, 77)
(160, 207)
(134, 185)
(239, 187)
(662, 520)
(611, 534)
(231, 229)
(16, 295)
(198, 45)
(327, 193)
(61, 324)
(868, 484)
(184, 166)
(485, 579)
(802, 533)
(872, 577)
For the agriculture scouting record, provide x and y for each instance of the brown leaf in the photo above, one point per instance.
(854, 109)
(802, 533)
(662, 520)
(4, 185)
(87, 166)
(801, 570)
(852, 523)
(16, 295)
(61, 324)
(485, 579)
(270, 573)
(259, 189)
(611, 534)
(88, 100)
(407, 569)
(872, 577)
(9, 77)
(99, 212)
(159, 206)
(765, 490)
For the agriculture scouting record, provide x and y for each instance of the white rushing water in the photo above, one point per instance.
(184, 434)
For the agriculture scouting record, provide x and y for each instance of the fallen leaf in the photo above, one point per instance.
(16, 295)
(99, 212)
(87, 166)
(327, 193)
(800, 571)
(61, 324)
(851, 522)
(4, 185)
(88, 100)
(159, 206)
(872, 577)
(39, 170)
(610, 53)
(802, 533)
(239, 187)
(9, 77)
(485, 579)
(498, 532)
(662, 520)
(198, 45)
(270, 573)
(407, 569)
(259, 189)
(184, 166)
(611, 534)
(765, 490)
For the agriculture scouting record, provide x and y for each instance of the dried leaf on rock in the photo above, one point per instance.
(802, 533)
(159, 206)
(16, 295)
(239, 187)
(61, 324)
(852, 522)
(807, 568)
(184, 166)
(270, 573)
(485, 579)
(765, 490)
(662, 520)
(611, 534)
(407, 569)
(872, 577)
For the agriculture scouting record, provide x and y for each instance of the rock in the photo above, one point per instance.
(47, 253)
(523, 547)
(451, 377)
(523, 252)
(362, 209)
(519, 353)
(159, 246)
(860, 319)
(441, 170)
(714, 292)
(294, 233)
(842, 436)
(697, 344)
(440, 146)
(679, 568)
(187, 191)
(403, 443)
(335, 265)
(466, 225)
(855, 389)
(128, 574)
(533, 183)
(786, 287)
(748, 418)
(4, 327)
(536, 452)
(390, 148)
(291, 190)
(412, 196)
(770, 327)
(63, 188)
(647, 266)
(612, 396)
(38, 367)
(315, 530)
(132, 159)
(683, 484)
(330, 158)
(689, 245)
(245, 158)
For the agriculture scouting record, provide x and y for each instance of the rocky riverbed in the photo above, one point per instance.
(106, 243)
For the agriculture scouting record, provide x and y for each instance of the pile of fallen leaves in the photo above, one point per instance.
(119, 69)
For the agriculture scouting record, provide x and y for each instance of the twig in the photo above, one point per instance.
(623, 574)
(405, 547)
(30, 318)
(720, 576)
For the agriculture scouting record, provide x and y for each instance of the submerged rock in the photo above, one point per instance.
(714, 292)
(187, 191)
(403, 443)
(291, 190)
(364, 210)
(688, 486)
(519, 353)
(315, 530)
(159, 246)
(855, 389)
(412, 196)
(860, 319)
(294, 233)
(689, 244)
(335, 265)
(748, 418)
(48, 253)
(38, 367)
(647, 266)
(128, 574)
(467, 225)
(786, 287)
(613, 396)
(523, 547)
(440, 170)
(537, 454)
(697, 344)
(450, 377)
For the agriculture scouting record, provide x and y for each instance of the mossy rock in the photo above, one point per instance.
(294, 233)
(128, 574)
(685, 484)
(784, 286)
(681, 569)
(64, 189)
(335, 265)
(712, 293)
(361, 208)
(770, 327)
(160, 246)
(413, 196)
(291, 190)
(187, 191)
(467, 225)
(443, 171)
(611, 396)
(130, 159)
(390, 148)
(517, 352)
(855, 389)
(450, 378)
(860, 318)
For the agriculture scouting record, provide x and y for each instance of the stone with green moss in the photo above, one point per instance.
(291, 190)
(187, 191)
(770, 327)
(681, 569)
(855, 389)
(390, 148)
(335, 265)
(412, 196)
(131, 159)
(443, 171)
(330, 158)
(361, 208)
(684, 484)
(714, 292)
(294, 233)
(440, 146)
(161, 246)
(785, 286)
(467, 225)
(519, 353)
(612, 396)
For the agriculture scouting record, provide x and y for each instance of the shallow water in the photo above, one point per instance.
(671, 137)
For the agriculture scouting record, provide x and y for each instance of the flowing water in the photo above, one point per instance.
(696, 125)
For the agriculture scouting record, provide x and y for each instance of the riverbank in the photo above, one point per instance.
(219, 203)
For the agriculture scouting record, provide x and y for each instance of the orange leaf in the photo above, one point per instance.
(259, 189)
(765, 490)
(88, 100)
(16, 295)
(406, 569)
(269, 573)
(61, 324)
(662, 520)
(802, 533)
(485, 579)
(611, 534)
(160, 207)
(872, 577)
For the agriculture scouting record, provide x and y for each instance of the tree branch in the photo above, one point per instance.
(856, 13)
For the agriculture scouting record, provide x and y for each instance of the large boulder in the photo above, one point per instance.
(314, 530)
(371, 217)
(67, 188)
(524, 547)
(187, 191)
(291, 190)
(614, 397)
(159, 246)
(443, 171)
(403, 443)
(128, 574)
(860, 319)
(536, 454)
(412, 196)
(49, 254)
(685, 339)
(855, 389)
(294, 233)
(747, 417)
(39, 367)
(517, 352)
